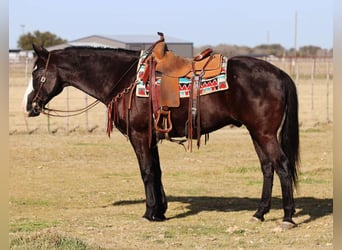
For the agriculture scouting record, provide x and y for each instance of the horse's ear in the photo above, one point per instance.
(40, 51)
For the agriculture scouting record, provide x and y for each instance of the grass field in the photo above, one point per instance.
(72, 189)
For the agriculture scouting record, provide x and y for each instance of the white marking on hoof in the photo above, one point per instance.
(255, 219)
(285, 225)
(145, 219)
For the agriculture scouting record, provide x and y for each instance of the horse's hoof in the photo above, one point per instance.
(155, 218)
(158, 218)
(285, 225)
(256, 219)
(145, 219)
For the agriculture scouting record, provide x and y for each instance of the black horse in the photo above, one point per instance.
(261, 97)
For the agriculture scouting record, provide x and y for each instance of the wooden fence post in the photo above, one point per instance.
(86, 113)
(48, 121)
(67, 104)
(327, 98)
(313, 70)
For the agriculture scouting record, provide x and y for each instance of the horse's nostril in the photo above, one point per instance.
(35, 107)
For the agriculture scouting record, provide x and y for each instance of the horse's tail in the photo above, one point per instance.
(289, 134)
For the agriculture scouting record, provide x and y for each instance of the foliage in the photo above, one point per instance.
(270, 49)
(44, 39)
(266, 49)
(51, 241)
(309, 51)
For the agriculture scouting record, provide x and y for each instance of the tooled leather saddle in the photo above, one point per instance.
(172, 67)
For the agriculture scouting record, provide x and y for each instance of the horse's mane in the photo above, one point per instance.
(90, 49)
(119, 50)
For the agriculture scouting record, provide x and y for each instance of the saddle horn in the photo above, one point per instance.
(159, 47)
(161, 34)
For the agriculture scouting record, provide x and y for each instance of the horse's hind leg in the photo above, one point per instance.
(268, 174)
(273, 159)
(148, 158)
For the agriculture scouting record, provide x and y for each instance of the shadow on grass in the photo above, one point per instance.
(313, 207)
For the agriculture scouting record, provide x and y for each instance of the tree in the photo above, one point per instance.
(44, 39)
(309, 50)
(270, 49)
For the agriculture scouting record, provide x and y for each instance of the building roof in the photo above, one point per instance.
(142, 38)
(77, 43)
(118, 40)
(90, 44)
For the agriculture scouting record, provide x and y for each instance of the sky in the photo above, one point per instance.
(203, 22)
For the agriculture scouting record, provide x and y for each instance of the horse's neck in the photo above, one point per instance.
(102, 82)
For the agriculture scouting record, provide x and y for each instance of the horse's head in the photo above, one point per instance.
(44, 84)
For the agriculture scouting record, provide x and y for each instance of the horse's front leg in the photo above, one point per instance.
(148, 158)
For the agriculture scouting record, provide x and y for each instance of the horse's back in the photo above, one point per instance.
(257, 76)
(258, 89)
(257, 68)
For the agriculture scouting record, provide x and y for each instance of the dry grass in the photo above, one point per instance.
(84, 191)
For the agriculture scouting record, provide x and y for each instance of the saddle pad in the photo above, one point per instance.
(208, 85)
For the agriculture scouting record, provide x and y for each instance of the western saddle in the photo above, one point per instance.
(172, 67)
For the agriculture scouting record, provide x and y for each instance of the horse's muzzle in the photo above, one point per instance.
(35, 110)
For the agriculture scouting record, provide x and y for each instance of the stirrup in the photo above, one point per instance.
(166, 124)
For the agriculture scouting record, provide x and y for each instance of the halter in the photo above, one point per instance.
(42, 81)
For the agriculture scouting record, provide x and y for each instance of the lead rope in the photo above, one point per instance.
(75, 111)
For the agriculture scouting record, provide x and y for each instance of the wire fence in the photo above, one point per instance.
(69, 99)
(313, 77)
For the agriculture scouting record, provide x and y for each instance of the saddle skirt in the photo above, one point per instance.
(213, 80)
